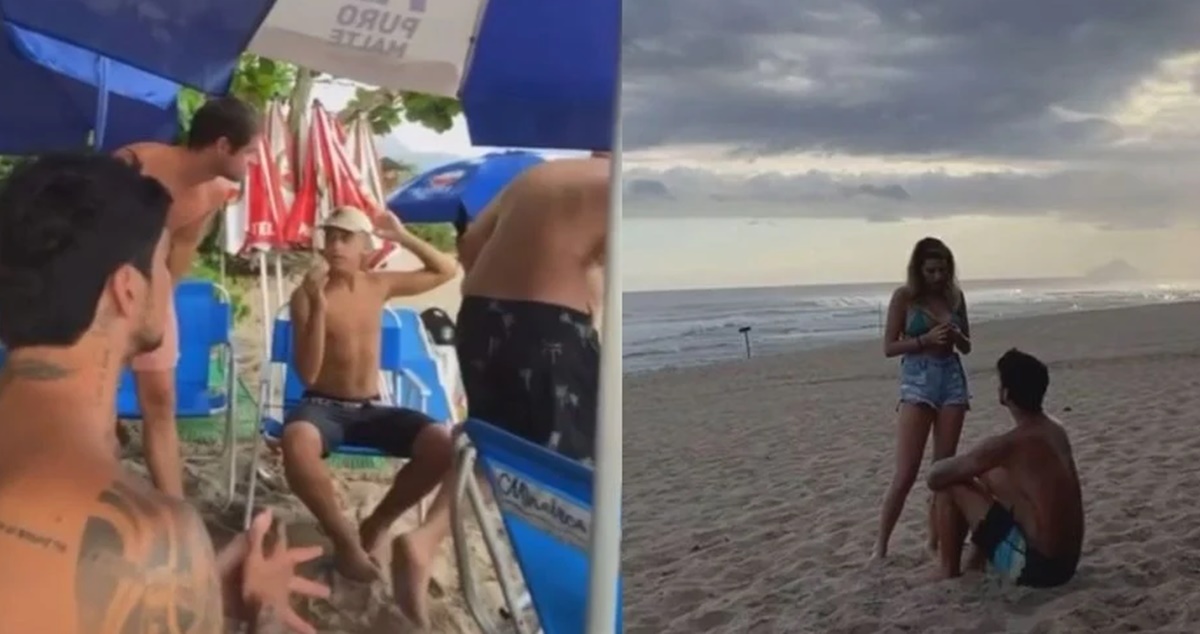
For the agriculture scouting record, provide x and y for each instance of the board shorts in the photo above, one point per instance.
(360, 423)
(1010, 554)
(934, 381)
(532, 369)
(166, 356)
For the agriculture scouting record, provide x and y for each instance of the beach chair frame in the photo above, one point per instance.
(396, 387)
(466, 488)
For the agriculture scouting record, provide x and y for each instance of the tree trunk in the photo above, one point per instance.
(298, 103)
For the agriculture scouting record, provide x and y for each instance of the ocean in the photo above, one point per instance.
(694, 327)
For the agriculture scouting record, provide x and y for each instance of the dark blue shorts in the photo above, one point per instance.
(361, 423)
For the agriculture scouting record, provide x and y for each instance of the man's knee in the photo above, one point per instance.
(434, 446)
(301, 439)
(156, 395)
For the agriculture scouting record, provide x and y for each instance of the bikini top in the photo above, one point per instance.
(917, 322)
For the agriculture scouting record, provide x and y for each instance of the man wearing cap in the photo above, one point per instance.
(336, 315)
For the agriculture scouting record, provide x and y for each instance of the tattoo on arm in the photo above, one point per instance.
(145, 565)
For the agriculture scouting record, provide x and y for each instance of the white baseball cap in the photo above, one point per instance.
(350, 219)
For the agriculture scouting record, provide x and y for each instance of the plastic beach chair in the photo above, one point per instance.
(545, 500)
(204, 316)
(417, 356)
(281, 389)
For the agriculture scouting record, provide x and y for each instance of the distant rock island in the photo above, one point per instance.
(1115, 271)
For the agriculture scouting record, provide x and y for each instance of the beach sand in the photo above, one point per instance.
(354, 608)
(752, 488)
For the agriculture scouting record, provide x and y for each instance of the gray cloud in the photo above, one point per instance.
(1114, 198)
(967, 78)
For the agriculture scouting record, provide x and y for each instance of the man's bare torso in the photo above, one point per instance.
(193, 207)
(1045, 493)
(86, 548)
(549, 237)
(350, 367)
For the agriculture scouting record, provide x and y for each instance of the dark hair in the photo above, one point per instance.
(67, 223)
(227, 117)
(1025, 378)
(931, 249)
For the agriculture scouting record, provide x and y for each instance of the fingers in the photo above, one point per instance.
(297, 624)
(281, 540)
(258, 531)
(305, 553)
(308, 588)
(233, 553)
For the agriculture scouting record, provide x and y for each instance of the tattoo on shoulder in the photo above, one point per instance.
(145, 565)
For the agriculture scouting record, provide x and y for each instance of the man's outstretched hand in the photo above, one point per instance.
(258, 583)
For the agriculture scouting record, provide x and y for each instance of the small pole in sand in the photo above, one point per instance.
(745, 330)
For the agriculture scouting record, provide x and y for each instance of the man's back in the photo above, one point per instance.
(548, 237)
(1042, 469)
(87, 549)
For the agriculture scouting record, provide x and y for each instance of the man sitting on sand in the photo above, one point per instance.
(527, 345)
(85, 546)
(1017, 492)
(336, 327)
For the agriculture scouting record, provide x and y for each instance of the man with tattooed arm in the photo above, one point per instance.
(86, 548)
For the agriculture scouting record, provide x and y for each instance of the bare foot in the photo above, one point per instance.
(410, 579)
(369, 534)
(941, 574)
(355, 564)
(977, 562)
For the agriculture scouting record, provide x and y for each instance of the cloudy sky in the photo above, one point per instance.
(815, 140)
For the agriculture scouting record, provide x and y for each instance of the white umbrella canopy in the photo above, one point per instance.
(413, 45)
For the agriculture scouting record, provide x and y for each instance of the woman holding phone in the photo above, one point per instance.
(927, 327)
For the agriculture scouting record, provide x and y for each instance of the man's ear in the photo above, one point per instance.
(123, 289)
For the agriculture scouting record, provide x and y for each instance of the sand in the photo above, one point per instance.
(354, 608)
(752, 488)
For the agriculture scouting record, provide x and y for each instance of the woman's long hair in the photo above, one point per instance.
(932, 249)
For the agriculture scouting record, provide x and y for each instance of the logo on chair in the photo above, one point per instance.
(543, 508)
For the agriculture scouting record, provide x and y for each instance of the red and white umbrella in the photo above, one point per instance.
(329, 179)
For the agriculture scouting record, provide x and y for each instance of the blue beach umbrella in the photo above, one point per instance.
(530, 73)
(458, 191)
(61, 95)
(544, 74)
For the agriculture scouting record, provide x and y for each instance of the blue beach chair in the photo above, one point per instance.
(545, 500)
(281, 389)
(416, 354)
(204, 317)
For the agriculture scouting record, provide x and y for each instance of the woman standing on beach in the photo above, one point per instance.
(927, 327)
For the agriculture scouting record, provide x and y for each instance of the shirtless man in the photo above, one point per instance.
(336, 318)
(527, 344)
(85, 547)
(220, 142)
(527, 347)
(1018, 492)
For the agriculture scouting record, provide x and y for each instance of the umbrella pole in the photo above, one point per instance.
(101, 124)
(267, 314)
(605, 568)
(279, 299)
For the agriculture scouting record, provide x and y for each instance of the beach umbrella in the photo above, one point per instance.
(196, 44)
(458, 191)
(66, 98)
(360, 146)
(254, 221)
(530, 73)
(328, 179)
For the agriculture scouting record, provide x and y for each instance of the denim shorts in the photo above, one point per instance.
(933, 381)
